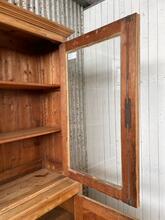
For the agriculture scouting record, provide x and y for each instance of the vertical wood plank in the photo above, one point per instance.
(78, 214)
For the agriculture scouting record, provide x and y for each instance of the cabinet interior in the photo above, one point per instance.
(30, 98)
(35, 173)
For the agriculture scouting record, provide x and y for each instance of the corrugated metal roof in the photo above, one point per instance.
(87, 3)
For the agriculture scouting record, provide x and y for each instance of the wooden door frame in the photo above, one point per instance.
(84, 206)
(128, 30)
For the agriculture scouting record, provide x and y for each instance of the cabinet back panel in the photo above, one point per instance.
(23, 67)
(51, 109)
(28, 59)
(17, 66)
(19, 158)
(19, 110)
(51, 145)
(22, 110)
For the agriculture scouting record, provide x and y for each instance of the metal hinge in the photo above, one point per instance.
(128, 113)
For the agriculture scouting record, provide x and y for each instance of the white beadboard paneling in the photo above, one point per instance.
(161, 105)
(153, 109)
(152, 100)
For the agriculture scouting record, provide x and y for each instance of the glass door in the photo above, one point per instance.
(101, 149)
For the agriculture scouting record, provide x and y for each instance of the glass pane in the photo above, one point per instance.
(95, 114)
(103, 198)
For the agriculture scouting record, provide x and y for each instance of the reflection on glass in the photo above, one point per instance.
(94, 94)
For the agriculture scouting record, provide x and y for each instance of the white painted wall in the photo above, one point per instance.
(152, 99)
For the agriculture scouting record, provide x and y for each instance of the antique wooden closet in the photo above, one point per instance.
(35, 175)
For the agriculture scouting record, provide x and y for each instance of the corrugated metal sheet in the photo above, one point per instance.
(66, 12)
(87, 3)
(70, 14)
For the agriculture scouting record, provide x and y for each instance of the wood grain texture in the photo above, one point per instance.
(64, 109)
(68, 205)
(27, 86)
(35, 194)
(29, 61)
(7, 137)
(29, 67)
(98, 184)
(30, 121)
(130, 92)
(28, 22)
(11, 171)
(51, 115)
(101, 34)
(19, 111)
(57, 214)
(87, 209)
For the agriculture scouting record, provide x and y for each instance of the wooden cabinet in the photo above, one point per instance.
(35, 174)
(87, 209)
(128, 30)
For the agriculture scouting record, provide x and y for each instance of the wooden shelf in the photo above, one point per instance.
(27, 86)
(7, 137)
(35, 194)
(57, 214)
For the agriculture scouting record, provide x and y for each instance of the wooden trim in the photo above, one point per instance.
(64, 108)
(7, 137)
(29, 22)
(130, 133)
(27, 86)
(100, 185)
(93, 37)
(128, 29)
(84, 205)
